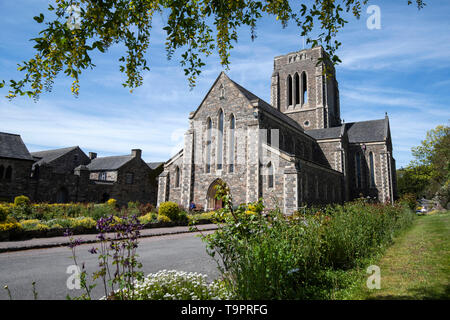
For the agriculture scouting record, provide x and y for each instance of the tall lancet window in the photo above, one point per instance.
(372, 170)
(208, 145)
(232, 139)
(289, 90)
(177, 177)
(358, 170)
(304, 88)
(220, 141)
(270, 175)
(297, 88)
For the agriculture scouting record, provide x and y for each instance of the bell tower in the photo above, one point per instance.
(301, 89)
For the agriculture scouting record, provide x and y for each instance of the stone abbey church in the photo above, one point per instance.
(291, 152)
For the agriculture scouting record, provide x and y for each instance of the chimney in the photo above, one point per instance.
(137, 153)
(92, 155)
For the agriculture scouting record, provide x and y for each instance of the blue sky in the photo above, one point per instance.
(402, 68)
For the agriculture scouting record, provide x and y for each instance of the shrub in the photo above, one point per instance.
(148, 218)
(29, 224)
(163, 218)
(271, 256)
(408, 199)
(4, 212)
(112, 203)
(10, 226)
(21, 201)
(100, 211)
(83, 222)
(169, 209)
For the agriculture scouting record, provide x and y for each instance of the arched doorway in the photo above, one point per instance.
(62, 195)
(212, 202)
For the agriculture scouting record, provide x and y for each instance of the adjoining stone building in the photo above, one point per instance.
(69, 175)
(291, 152)
(53, 175)
(15, 167)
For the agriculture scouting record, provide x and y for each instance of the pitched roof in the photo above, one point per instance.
(267, 107)
(326, 133)
(154, 165)
(367, 131)
(108, 163)
(47, 156)
(12, 146)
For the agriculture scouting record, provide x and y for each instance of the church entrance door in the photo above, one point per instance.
(213, 203)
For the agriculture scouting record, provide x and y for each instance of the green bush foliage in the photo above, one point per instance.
(4, 212)
(304, 256)
(21, 201)
(169, 209)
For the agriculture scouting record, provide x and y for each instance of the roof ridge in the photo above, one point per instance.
(11, 134)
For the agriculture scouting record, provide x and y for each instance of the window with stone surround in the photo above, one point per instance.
(129, 178)
(270, 175)
(208, 145)
(304, 88)
(102, 176)
(289, 90)
(177, 177)
(297, 88)
(372, 169)
(220, 141)
(232, 142)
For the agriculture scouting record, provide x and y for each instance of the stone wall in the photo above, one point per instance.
(19, 183)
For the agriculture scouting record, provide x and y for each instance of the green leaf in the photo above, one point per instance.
(39, 18)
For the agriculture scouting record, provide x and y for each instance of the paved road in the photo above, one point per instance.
(47, 267)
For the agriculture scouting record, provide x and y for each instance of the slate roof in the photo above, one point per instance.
(48, 156)
(361, 131)
(367, 131)
(12, 146)
(154, 165)
(108, 163)
(326, 133)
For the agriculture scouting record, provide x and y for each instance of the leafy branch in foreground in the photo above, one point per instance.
(78, 28)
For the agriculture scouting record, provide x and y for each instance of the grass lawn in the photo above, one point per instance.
(417, 265)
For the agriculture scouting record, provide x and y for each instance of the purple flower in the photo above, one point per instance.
(93, 250)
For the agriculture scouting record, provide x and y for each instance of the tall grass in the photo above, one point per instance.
(304, 256)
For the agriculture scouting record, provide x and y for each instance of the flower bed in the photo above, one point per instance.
(22, 220)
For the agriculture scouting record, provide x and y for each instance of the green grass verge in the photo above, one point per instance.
(416, 266)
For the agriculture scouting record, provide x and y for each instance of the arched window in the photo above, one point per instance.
(8, 174)
(289, 90)
(372, 170)
(208, 146)
(2, 171)
(358, 169)
(304, 88)
(297, 88)
(269, 175)
(231, 153)
(220, 141)
(177, 177)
